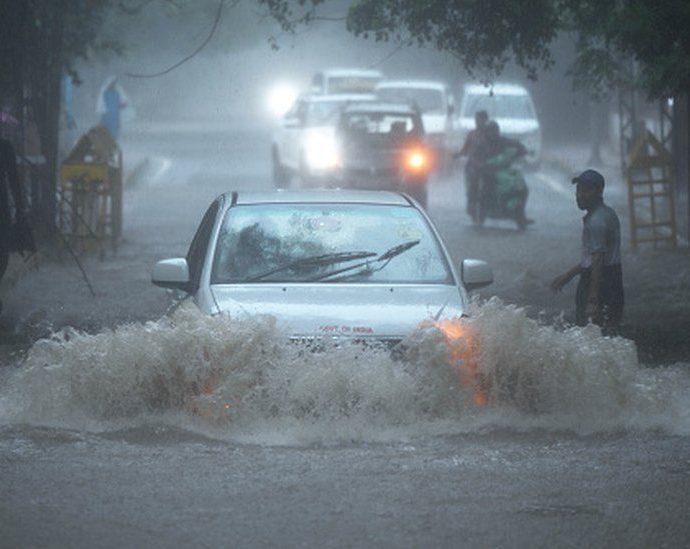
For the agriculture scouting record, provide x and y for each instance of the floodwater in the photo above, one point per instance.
(238, 380)
(135, 429)
(122, 438)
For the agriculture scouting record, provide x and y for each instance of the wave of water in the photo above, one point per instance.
(242, 381)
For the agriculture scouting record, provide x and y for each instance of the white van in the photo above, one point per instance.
(511, 106)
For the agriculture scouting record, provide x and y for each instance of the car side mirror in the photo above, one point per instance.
(171, 273)
(476, 274)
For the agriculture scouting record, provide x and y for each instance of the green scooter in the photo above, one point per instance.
(503, 191)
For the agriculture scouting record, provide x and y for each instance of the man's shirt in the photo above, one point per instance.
(601, 233)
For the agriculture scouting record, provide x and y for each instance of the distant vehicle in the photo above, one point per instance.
(512, 107)
(327, 264)
(338, 81)
(382, 147)
(304, 142)
(437, 105)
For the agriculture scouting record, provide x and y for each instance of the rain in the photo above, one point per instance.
(325, 400)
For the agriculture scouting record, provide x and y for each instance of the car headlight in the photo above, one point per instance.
(321, 152)
(462, 345)
(280, 98)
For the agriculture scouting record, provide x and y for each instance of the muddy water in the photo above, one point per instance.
(239, 381)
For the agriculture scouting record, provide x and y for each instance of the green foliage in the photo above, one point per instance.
(657, 34)
(484, 35)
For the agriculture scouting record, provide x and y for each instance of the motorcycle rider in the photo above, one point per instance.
(474, 148)
(502, 185)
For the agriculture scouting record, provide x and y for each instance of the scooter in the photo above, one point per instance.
(503, 190)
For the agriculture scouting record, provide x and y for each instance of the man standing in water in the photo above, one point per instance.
(474, 148)
(599, 296)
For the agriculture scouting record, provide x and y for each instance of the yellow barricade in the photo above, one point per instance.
(90, 194)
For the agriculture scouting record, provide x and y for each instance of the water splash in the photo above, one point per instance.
(242, 380)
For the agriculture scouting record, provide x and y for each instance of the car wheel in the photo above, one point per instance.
(281, 178)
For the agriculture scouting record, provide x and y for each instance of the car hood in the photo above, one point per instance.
(362, 311)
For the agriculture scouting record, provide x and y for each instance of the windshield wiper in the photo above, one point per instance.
(314, 261)
(366, 266)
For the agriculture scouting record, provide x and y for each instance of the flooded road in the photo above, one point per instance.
(110, 438)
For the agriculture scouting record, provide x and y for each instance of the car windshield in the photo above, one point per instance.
(352, 84)
(328, 244)
(379, 123)
(425, 99)
(499, 106)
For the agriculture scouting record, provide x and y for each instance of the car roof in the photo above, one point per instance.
(352, 72)
(379, 107)
(418, 84)
(318, 196)
(336, 97)
(497, 89)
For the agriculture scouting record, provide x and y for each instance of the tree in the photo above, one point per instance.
(41, 39)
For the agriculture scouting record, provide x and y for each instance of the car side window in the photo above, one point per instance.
(199, 246)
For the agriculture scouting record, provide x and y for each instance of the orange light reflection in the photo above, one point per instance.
(462, 346)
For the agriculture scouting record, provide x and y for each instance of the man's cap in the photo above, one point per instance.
(590, 178)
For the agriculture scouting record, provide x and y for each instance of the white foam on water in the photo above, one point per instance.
(242, 381)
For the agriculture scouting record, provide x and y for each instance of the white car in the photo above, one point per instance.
(338, 81)
(436, 104)
(304, 142)
(326, 264)
(512, 107)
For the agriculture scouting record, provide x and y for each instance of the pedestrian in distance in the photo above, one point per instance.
(475, 150)
(9, 183)
(111, 101)
(599, 297)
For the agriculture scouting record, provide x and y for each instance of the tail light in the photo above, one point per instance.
(417, 160)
